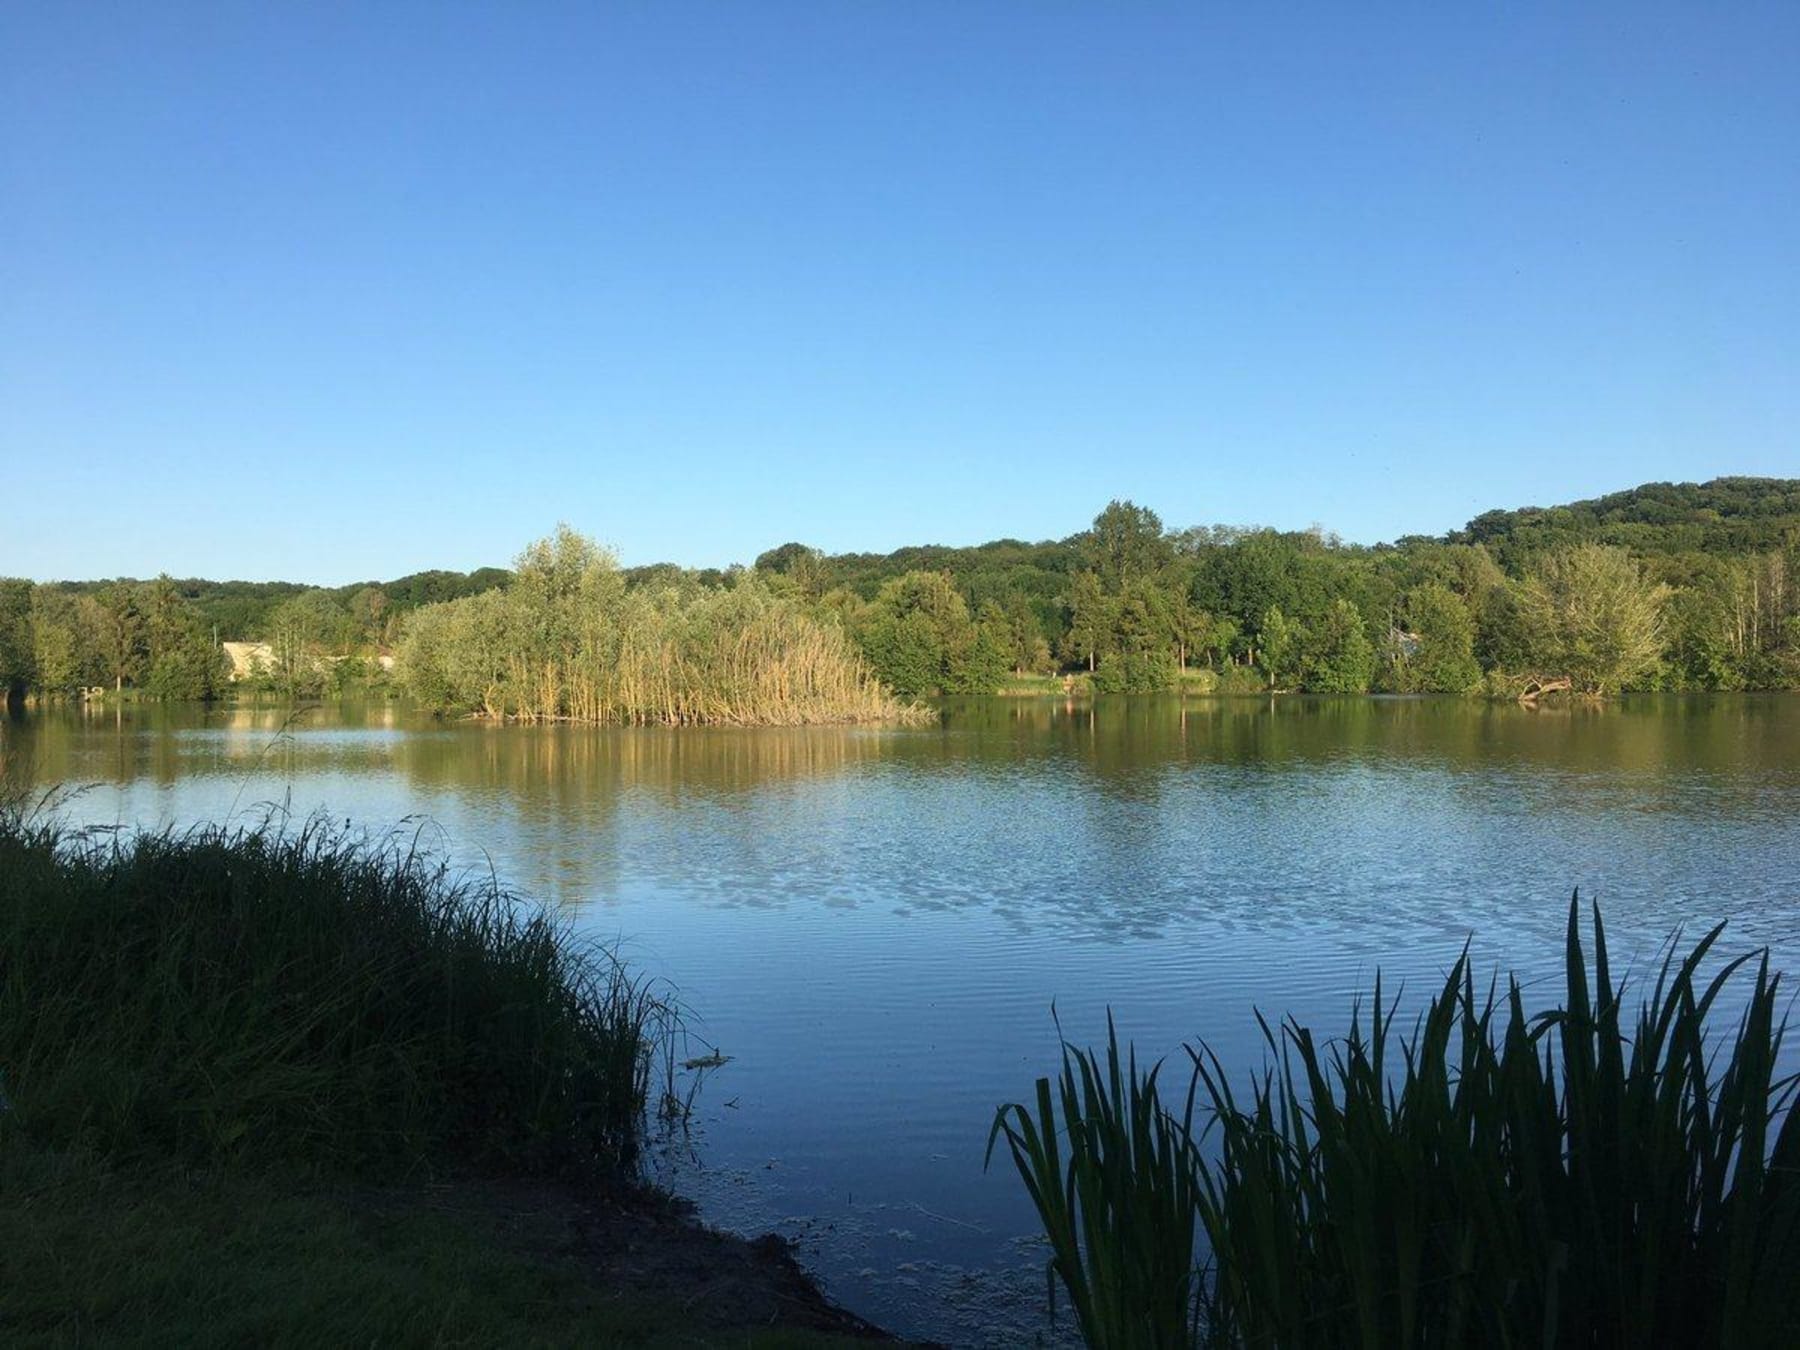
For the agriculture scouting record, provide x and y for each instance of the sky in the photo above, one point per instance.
(335, 292)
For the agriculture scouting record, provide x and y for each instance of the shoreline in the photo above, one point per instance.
(262, 1087)
(220, 1254)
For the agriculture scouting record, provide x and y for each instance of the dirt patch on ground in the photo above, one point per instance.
(641, 1244)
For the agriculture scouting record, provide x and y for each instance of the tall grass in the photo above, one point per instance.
(1574, 1177)
(567, 642)
(304, 995)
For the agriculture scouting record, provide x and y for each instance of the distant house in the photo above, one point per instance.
(249, 659)
(1405, 643)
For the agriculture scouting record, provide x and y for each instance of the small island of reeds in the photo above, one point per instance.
(568, 641)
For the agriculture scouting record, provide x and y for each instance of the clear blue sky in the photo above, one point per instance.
(341, 291)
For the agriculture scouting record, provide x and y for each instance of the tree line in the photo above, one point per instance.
(1663, 587)
(163, 637)
(1695, 589)
(142, 635)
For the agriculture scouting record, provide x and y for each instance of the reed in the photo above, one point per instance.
(1121, 1213)
(306, 995)
(1575, 1177)
(568, 643)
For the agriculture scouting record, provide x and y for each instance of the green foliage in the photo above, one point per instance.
(1221, 638)
(180, 658)
(801, 565)
(1281, 641)
(1733, 622)
(1125, 621)
(117, 629)
(1091, 620)
(18, 659)
(1436, 652)
(905, 651)
(126, 634)
(916, 634)
(1592, 615)
(240, 610)
(919, 638)
(1190, 626)
(1729, 552)
(1497, 1178)
(1029, 649)
(1127, 545)
(1137, 658)
(305, 633)
(1724, 516)
(373, 615)
(303, 996)
(1122, 1212)
(1245, 574)
(1239, 679)
(1338, 657)
(59, 659)
(982, 665)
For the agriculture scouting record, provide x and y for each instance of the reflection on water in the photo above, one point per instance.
(875, 923)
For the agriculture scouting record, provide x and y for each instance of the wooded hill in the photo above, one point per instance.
(1724, 516)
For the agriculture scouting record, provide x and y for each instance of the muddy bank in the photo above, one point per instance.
(644, 1247)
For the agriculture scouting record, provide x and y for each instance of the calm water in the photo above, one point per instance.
(875, 924)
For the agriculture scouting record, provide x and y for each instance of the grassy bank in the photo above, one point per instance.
(1574, 1177)
(301, 1088)
(304, 996)
(107, 1253)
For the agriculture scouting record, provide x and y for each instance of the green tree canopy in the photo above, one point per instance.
(1440, 631)
(1592, 615)
(1338, 657)
(1281, 639)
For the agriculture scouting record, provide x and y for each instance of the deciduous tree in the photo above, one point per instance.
(1593, 616)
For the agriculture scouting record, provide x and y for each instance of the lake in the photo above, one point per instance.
(875, 924)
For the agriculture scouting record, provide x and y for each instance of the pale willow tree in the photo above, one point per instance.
(1593, 616)
(1281, 639)
(301, 632)
(568, 641)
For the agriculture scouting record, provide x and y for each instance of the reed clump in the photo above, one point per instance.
(567, 641)
(1579, 1176)
(304, 995)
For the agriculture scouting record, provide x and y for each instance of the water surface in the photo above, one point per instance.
(875, 924)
